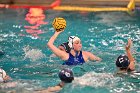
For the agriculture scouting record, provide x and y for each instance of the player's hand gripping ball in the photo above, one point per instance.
(59, 24)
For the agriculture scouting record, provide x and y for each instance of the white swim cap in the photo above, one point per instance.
(71, 40)
(2, 73)
(1, 79)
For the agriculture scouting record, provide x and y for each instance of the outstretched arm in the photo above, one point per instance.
(54, 89)
(50, 90)
(129, 54)
(92, 57)
(63, 55)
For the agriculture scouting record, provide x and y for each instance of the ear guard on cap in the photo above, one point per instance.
(122, 61)
(71, 39)
(2, 75)
(66, 47)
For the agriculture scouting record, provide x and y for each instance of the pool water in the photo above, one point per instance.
(27, 58)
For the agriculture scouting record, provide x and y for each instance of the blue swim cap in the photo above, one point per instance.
(66, 75)
(122, 61)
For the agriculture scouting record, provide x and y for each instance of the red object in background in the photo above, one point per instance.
(35, 18)
(56, 3)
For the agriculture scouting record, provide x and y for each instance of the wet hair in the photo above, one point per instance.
(66, 75)
(122, 62)
(66, 47)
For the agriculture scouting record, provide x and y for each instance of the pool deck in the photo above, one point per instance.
(84, 3)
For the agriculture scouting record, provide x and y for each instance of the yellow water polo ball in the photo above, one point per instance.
(59, 24)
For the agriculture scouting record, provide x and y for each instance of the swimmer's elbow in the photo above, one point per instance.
(49, 44)
(132, 68)
(132, 65)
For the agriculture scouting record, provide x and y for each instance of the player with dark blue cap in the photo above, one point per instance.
(126, 63)
(66, 75)
(122, 61)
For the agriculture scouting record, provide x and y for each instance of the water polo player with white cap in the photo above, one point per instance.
(76, 46)
(3, 76)
(76, 55)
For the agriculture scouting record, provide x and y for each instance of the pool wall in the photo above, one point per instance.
(71, 2)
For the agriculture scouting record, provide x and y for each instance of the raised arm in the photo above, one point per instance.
(63, 55)
(129, 54)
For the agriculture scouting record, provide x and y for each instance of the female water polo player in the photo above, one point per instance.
(76, 55)
(66, 76)
(126, 63)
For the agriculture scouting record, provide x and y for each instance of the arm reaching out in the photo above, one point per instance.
(50, 90)
(129, 54)
(92, 57)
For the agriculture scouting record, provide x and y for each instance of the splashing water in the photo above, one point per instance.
(33, 54)
(96, 79)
